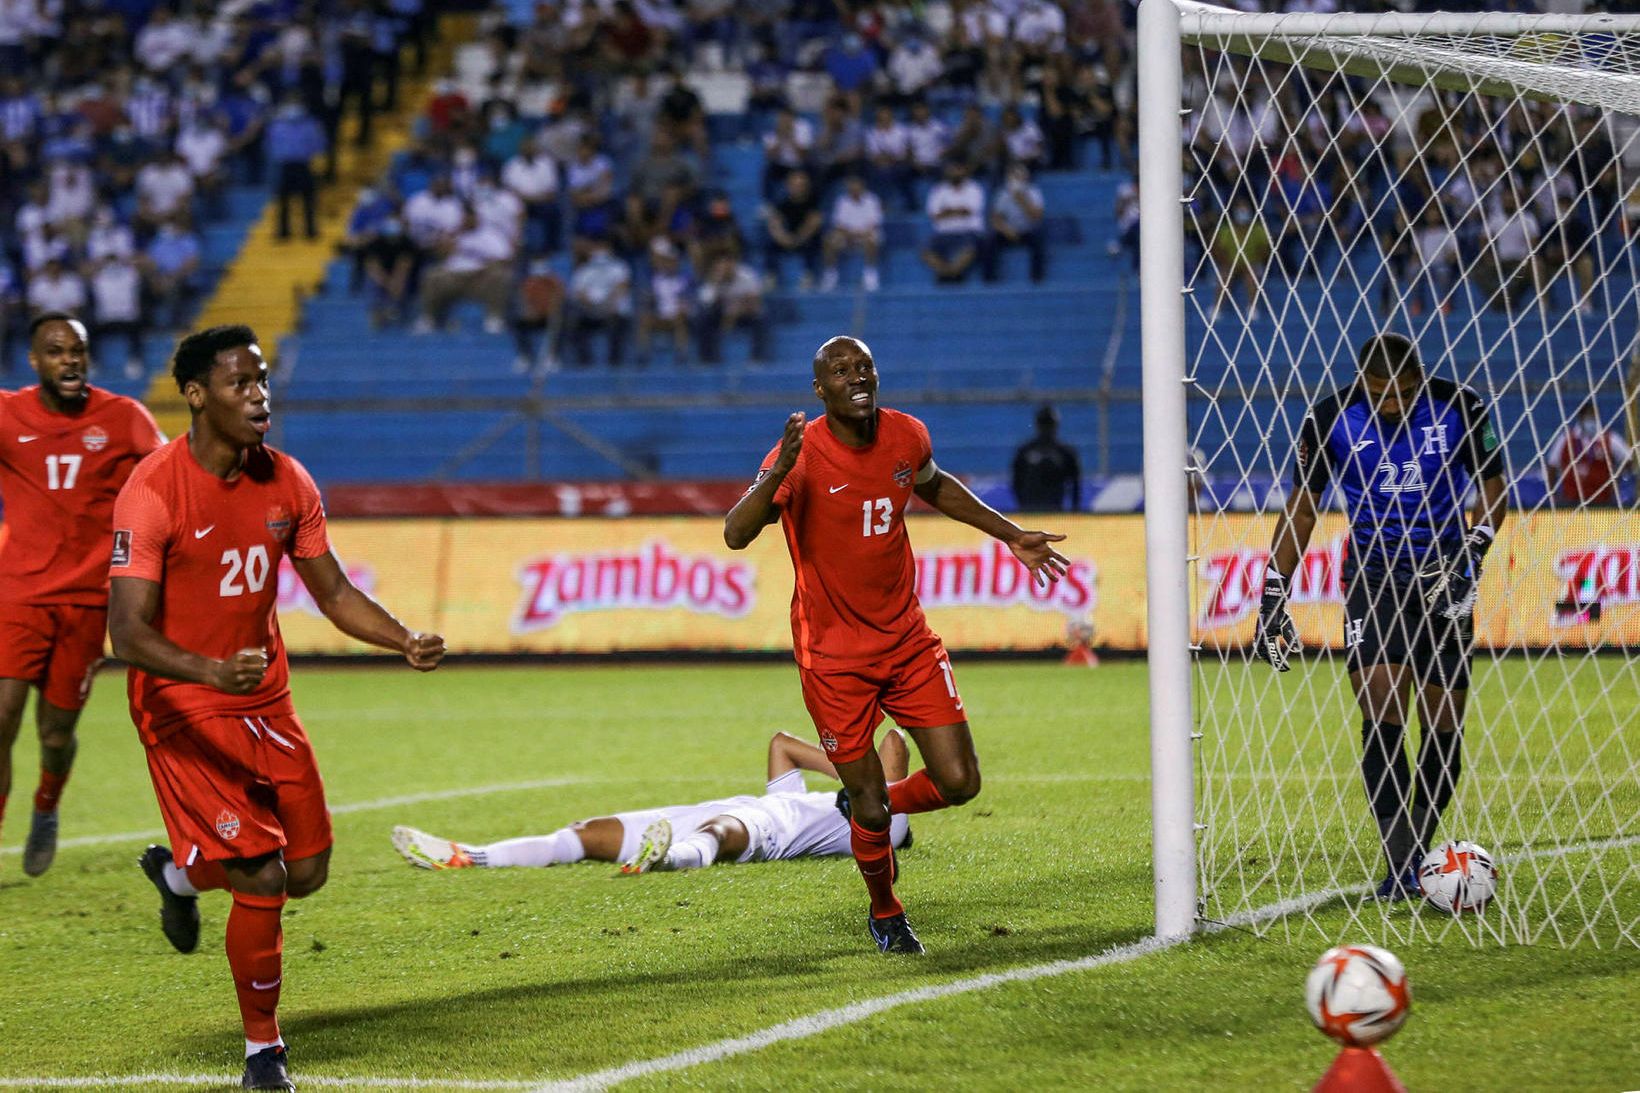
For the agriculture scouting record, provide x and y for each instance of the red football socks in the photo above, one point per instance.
(914, 794)
(874, 855)
(207, 875)
(49, 791)
(256, 947)
(2, 806)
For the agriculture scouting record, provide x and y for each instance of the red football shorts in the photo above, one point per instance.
(56, 646)
(240, 787)
(916, 689)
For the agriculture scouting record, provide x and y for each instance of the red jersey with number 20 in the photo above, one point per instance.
(843, 512)
(214, 547)
(59, 474)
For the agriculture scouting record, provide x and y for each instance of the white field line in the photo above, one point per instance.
(217, 1081)
(339, 810)
(801, 1027)
(815, 1023)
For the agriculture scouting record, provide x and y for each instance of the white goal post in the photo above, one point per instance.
(1447, 133)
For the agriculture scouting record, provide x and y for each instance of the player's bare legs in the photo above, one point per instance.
(58, 745)
(1440, 757)
(950, 774)
(1382, 691)
(13, 696)
(869, 839)
(305, 876)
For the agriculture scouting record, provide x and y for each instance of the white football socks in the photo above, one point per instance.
(176, 879)
(559, 848)
(253, 1046)
(695, 852)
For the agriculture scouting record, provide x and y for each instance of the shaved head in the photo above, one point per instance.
(841, 343)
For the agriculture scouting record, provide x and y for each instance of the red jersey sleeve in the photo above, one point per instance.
(142, 532)
(311, 539)
(925, 445)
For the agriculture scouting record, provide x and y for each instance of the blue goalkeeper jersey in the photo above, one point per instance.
(1404, 483)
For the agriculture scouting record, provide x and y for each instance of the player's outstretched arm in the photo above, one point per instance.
(132, 604)
(1034, 549)
(787, 753)
(358, 616)
(756, 510)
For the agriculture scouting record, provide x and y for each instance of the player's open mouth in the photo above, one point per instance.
(860, 398)
(70, 384)
(259, 421)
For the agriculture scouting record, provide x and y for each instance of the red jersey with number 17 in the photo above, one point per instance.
(843, 512)
(214, 548)
(58, 476)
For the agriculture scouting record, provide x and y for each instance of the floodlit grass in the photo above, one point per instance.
(543, 974)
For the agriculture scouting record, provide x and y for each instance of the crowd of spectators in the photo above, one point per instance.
(123, 122)
(563, 175)
(1453, 201)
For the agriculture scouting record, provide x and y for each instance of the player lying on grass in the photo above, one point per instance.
(788, 821)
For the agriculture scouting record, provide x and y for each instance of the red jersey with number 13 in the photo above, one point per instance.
(58, 475)
(214, 547)
(843, 512)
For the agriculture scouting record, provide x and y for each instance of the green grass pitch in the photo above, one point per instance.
(536, 975)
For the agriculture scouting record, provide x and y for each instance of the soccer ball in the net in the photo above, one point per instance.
(1358, 994)
(1458, 877)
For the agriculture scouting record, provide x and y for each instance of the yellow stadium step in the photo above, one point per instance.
(266, 282)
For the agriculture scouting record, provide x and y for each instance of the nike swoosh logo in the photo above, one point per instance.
(1361, 446)
(834, 489)
(26, 439)
(258, 985)
(202, 532)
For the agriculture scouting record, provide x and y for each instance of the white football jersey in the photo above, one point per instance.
(786, 822)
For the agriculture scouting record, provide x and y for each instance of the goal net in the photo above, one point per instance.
(1471, 182)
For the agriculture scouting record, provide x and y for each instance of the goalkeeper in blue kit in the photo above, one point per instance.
(1404, 450)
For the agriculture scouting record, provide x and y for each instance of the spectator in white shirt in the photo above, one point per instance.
(1509, 268)
(956, 212)
(73, 197)
(788, 148)
(56, 288)
(600, 299)
(498, 206)
(856, 224)
(475, 264)
(928, 138)
(164, 189)
(433, 216)
(1016, 221)
(669, 304)
(1021, 139)
(914, 66)
(533, 175)
(116, 307)
(732, 297)
(1437, 247)
(1039, 29)
(203, 146)
(888, 157)
(590, 179)
(163, 41)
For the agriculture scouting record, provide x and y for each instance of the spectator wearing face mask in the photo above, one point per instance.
(388, 263)
(294, 139)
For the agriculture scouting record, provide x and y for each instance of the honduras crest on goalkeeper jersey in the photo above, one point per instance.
(1404, 483)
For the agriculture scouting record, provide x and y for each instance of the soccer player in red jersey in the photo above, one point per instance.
(66, 448)
(199, 532)
(839, 487)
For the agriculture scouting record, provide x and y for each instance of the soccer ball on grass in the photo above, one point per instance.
(1458, 876)
(1358, 994)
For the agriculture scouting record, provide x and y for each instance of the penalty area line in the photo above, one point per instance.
(813, 1024)
(342, 810)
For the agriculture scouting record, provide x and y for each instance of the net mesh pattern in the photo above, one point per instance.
(1478, 194)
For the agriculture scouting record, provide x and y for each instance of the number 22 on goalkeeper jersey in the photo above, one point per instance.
(1404, 482)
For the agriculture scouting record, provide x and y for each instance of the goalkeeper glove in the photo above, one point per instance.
(1456, 585)
(1276, 637)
